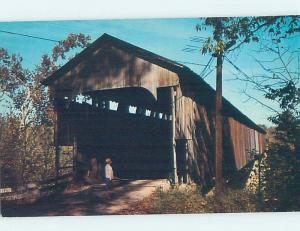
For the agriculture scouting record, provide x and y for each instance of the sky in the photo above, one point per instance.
(166, 37)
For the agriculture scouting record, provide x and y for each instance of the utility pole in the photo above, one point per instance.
(218, 126)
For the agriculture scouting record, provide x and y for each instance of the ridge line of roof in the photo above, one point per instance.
(144, 50)
(106, 37)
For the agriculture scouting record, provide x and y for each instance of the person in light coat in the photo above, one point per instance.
(109, 173)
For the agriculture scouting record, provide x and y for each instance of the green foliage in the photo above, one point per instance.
(288, 95)
(26, 144)
(192, 201)
(287, 121)
(279, 83)
(281, 179)
(281, 168)
(229, 33)
(38, 163)
(233, 201)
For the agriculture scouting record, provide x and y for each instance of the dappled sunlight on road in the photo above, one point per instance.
(94, 200)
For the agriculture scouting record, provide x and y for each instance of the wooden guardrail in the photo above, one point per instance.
(34, 190)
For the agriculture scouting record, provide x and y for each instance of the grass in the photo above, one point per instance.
(179, 201)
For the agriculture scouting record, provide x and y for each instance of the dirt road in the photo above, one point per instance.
(95, 200)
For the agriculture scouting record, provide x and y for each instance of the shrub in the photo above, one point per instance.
(176, 201)
(233, 201)
(281, 179)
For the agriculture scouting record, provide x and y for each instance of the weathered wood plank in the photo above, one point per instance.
(112, 68)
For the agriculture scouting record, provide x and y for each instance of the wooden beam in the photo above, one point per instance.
(56, 138)
(173, 142)
(185, 176)
(74, 152)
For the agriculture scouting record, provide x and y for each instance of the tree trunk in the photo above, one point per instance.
(218, 127)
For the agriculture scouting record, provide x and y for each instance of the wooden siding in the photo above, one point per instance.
(111, 68)
(110, 73)
(194, 123)
(244, 141)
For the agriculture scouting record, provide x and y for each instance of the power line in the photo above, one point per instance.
(202, 74)
(236, 67)
(183, 62)
(29, 36)
(210, 71)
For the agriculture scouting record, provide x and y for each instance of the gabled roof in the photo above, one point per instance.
(118, 43)
(166, 63)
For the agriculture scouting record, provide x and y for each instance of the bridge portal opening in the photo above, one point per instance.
(128, 125)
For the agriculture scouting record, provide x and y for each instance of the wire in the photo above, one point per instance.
(198, 64)
(56, 41)
(236, 67)
(202, 74)
(29, 36)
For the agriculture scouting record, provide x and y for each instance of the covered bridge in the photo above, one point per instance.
(154, 117)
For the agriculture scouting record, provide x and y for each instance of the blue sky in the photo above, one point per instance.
(166, 37)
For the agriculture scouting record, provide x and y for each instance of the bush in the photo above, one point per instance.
(177, 201)
(233, 201)
(281, 179)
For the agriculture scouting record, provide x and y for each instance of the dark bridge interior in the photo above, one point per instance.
(128, 125)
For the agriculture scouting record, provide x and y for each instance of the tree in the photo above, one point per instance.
(27, 133)
(279, 82)
(229, 34)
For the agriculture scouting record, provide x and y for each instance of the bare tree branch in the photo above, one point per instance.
(259, 101)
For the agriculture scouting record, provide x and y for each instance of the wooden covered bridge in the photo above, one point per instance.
(154, 117)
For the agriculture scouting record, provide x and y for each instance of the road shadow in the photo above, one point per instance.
(96, 200)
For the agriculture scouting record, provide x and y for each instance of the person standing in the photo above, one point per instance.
(109, 174)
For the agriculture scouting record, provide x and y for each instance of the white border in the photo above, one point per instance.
(21, 10)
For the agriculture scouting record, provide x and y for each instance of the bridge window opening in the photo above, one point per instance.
(79, 99)
(88, 101)
(113, 105)
(132, 109)
(148, 112)
(157, 115)
(165, 116)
